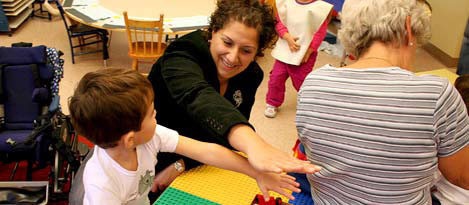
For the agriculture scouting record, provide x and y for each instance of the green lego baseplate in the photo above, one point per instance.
(173, 196)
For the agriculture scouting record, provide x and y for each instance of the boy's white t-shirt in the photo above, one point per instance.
(106, 182)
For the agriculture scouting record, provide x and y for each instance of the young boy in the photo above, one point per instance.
(114, 109)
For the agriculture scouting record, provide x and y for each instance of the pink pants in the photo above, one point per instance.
(279, 75)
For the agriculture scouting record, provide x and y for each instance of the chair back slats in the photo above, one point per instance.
(136, 40)
(143, 45)
(141, 35)
(144, 42)
(151, 35)
(160, 32)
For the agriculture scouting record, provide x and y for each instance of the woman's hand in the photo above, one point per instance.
(266, 158)
(294, 47)
(164, 178)
(278, 183)
(262, 156)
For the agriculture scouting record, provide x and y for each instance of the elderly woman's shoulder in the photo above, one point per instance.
(432, 78)
(438, 84)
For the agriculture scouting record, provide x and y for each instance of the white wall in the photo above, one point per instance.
(449, 19)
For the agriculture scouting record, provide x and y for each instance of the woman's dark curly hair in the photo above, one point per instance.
(249, 12)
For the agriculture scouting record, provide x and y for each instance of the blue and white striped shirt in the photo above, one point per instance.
(377, 133)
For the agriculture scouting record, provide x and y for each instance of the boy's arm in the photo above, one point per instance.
(216, 155)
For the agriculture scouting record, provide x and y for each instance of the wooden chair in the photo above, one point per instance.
(143, 45)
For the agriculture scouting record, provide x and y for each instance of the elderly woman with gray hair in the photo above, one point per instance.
(378, 130)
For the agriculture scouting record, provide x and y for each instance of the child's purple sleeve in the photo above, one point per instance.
(319, 36)
(279, 27)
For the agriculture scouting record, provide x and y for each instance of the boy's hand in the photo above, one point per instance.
(265, 158)
(278, 183)
(164, 178)
(294, 47)
(307, 55)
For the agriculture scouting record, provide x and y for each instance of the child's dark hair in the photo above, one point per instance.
(109, 103)
(249, 12)
(462, 84)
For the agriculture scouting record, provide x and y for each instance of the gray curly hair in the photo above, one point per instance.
(365, 21)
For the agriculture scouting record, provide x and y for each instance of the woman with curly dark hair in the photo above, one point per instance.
(205, 86)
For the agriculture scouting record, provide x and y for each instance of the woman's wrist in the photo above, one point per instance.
(254, 173)
(244, 139)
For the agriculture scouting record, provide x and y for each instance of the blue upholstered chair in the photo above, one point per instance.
(27, 100)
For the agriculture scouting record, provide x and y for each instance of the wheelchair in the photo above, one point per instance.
(33, 127)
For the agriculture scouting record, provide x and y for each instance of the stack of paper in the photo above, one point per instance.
(96, 12)
(187, 23)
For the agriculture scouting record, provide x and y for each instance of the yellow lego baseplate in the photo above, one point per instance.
(220, 186)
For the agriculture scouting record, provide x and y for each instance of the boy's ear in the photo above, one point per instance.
(129, 140)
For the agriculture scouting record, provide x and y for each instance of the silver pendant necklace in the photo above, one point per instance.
(379, 58)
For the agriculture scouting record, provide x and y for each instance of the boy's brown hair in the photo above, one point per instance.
(109, 103)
